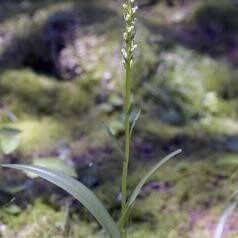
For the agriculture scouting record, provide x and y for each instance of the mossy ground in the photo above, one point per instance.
(199, 89)
(195, 195)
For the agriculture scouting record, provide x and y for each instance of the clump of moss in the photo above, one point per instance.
(41, 134)
(25, 91)
(40, 220)
(170, 211)
(190, 86)
(29, 217)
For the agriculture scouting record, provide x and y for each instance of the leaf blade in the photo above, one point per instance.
(78, 191)
(138, 188)
(136, 191)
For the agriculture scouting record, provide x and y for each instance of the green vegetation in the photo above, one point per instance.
(75, 188)
(185, 86)
(156, 212)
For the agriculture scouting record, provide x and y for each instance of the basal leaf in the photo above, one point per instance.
(136, 191)
(78, 191)
(142, 182)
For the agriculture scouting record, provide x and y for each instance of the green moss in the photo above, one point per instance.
(194, 186)
(40, 220)
(26, 91)
(156, 213)
(218, 126)
(194, 86)
(35, 222)
(190, 85)
(40, 134)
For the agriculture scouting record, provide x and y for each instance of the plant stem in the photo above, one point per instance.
(127, 104)
(129, 11)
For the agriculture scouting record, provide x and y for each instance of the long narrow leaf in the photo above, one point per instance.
(138, 188)
(142, 182)
(114, 139)
(78, 191)
(223, 219)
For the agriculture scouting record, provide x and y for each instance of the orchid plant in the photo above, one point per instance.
(115, 229)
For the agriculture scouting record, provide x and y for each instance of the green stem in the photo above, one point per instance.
(127, 104)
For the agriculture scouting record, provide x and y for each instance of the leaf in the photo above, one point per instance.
(55, 163)
(136, 191)
(9, 139)
(114, 139)
(223, 219)
(142, 182)
(134, 116)
(78, 191)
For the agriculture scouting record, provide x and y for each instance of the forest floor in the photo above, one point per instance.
(60, 75)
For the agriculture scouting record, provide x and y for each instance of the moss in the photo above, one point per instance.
(224, 126)
(33, 223)
(26, 91)
(50, 111)
(190, 85)
(169, 212)
(156, 213)
(40, 220)
(40, 134)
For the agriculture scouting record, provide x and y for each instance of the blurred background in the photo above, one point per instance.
(61, 76)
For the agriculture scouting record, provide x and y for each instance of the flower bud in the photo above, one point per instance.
(129, 34)
(124, 54)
